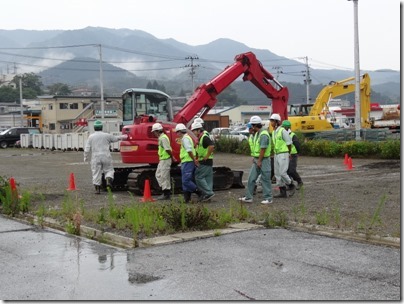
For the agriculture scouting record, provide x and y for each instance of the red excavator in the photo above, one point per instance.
(142, 108)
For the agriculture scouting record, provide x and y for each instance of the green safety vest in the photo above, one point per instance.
(184, 156)
(251, 143)
(293, 150)
(201, 150)
(256, 144)
(279, 144)
(162, 152)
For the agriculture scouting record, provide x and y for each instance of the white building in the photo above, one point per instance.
(240, 115)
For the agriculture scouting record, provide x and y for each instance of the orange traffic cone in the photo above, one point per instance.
(147, 193)
(72, 184)
(349, 166)
(13, 187)
(12, 184)
(346, 159)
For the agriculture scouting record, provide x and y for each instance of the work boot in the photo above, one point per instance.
(291, 188)
(199, 193)
(165, 196)
(187, 197)
(282, 192)
(109, 181)
(97, 189)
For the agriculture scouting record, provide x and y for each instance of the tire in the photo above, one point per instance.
(3, 144)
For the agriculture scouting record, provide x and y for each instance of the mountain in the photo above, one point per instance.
(71, 57)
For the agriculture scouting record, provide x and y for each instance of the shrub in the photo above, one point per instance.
(181, 217)
(4, 183)
(389, 149)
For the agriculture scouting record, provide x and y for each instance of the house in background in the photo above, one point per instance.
(238, 115)
(66, 114)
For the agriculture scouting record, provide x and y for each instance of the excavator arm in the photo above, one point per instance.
(204, 97)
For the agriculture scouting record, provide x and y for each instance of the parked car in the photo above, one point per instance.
(244, 131)
(10, 136)
(217, 133)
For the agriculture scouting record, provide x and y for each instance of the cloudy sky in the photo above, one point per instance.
(322, 30)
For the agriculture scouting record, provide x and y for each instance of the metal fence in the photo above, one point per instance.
(349, 134)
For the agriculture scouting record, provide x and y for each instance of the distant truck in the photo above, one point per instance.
(390, 118)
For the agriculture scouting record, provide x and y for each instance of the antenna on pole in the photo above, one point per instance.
(193, 67)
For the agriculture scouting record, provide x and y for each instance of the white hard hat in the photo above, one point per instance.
(275, 116)
(196, 125)
(255, 120)
(180, 127)
(157, 127)
(198, 119)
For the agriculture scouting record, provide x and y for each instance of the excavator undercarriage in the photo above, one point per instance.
(133, 179)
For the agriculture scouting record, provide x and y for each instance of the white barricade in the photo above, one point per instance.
(25, 140)
(82, 139)
(72, 141)
(116, 145)
(37, 141)
(60, 142)
(48, 141)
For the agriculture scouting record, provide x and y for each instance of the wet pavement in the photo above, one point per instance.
(275, 264)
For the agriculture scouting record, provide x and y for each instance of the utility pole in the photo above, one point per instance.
(278, 71)
(193, 67)
(307, 80)
(101, 83)
(21, 106)
(358, 122)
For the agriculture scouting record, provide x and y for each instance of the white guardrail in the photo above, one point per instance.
(64, 142)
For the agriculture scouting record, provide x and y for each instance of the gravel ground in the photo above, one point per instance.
(349, 197)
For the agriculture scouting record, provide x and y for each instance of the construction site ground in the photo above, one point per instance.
(365, 199)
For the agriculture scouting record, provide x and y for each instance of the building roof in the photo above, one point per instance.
(217, 110)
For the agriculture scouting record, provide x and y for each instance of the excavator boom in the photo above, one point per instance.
(204, 97)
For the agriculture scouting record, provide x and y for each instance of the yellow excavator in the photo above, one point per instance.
(312, 118)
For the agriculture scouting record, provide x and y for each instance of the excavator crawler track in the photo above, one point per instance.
(133, 179)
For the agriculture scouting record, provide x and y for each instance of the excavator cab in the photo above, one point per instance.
(142, 105)
(299, 109)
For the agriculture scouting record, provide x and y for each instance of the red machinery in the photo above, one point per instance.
(141, 145)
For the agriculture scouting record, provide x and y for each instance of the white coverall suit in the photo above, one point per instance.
(98, 145)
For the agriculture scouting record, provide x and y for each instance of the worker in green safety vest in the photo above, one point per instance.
(189, 161)
(260, 151)
(292, 170)
(282, 149)
(204, 151)
(165, 160)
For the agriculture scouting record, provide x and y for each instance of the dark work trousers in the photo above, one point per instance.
(292, 172)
